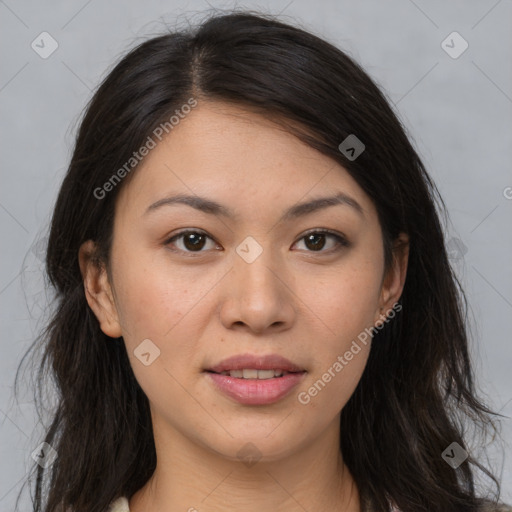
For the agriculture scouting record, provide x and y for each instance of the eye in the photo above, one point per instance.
(194, 241)
(315, 241)
(190, 241)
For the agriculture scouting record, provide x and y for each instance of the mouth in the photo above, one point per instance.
(253, 373)
(255, 380)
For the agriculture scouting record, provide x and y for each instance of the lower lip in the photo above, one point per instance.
(256, 391)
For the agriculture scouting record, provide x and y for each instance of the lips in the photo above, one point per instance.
(248, 361)
(255, 380)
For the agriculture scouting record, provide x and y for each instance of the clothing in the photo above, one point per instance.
(119, 505)
(122, 505)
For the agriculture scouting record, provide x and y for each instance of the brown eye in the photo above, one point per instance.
(316, 241)
(189, 241)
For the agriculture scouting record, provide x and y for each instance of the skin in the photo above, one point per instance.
(303, 301)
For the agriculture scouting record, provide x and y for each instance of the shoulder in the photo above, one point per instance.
(122, 505)
(487, 506)
(119, 505)
(491, 506)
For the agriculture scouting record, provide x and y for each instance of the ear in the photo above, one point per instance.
(394, 279)
(98, 291)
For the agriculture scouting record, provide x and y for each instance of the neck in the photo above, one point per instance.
(192, 478)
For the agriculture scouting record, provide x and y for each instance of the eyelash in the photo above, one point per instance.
(341, 240)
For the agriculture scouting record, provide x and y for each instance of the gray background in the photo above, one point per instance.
(457, 111)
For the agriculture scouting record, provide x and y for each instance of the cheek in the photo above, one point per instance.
(156, 302)
(155, 306)
(345, 302)
(331, 387)
(152, 299)
(346, 299)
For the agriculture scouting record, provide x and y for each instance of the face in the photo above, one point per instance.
(242, 268)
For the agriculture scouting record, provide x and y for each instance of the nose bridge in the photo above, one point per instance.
(256, 267)
(258, 296)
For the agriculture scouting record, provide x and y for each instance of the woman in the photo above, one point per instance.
(255, 306)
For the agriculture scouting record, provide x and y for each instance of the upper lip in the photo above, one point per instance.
(249, 361)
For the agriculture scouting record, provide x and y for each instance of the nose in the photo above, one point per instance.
(257, 296)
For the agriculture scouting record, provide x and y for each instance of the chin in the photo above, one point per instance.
(254, 446)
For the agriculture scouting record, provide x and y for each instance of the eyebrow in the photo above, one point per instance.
(299, 210)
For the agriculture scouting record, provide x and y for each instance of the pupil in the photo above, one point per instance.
(315, 236)
(192, 241)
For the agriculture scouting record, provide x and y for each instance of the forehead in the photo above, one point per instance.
(237, 157)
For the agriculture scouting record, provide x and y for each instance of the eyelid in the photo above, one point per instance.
(184, 231)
